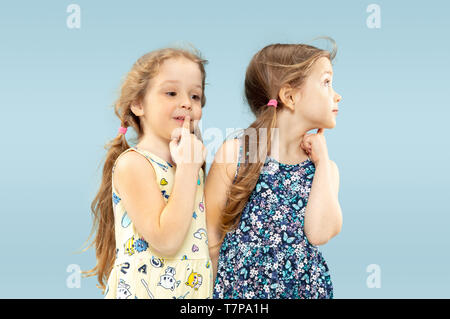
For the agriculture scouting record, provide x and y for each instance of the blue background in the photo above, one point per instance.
(57, 87)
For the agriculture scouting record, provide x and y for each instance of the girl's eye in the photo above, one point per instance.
(171, 93)
(196, 97)
(327, 82)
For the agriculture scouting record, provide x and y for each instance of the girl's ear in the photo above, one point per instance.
(287, 96)
(137, 109)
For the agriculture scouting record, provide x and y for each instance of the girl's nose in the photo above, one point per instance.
(186, 103)
(186, 106)
(338, 98)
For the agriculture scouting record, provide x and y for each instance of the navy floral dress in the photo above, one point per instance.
(268, 255)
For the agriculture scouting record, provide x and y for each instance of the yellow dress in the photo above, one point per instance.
(139, 272)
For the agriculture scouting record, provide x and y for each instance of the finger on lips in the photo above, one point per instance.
(187, 123)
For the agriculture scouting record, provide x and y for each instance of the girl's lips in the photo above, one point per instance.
(180, 119)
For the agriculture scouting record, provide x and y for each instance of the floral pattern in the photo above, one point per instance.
(268, 255)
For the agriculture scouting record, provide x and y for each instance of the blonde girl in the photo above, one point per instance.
(149, 214)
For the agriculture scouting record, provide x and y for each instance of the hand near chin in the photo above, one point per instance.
(186, 149)
(315, 145)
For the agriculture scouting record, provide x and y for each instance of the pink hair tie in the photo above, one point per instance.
(273, 103)
(122, 130)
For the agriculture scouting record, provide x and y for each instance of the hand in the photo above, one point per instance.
(315, 146)
(186, 148)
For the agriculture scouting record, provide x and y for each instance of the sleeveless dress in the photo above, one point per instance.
(268, 255)
(138, 271)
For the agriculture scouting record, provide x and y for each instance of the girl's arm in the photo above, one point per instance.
(163, 226)
(323, 215)
(218, 182)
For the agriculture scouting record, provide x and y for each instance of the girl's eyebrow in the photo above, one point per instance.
(169, 82)
(175, 81)
(329, 72)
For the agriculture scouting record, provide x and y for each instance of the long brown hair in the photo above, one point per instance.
(269, 70)
(133, 89)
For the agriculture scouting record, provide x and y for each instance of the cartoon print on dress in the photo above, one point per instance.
(123, 291)
(164, 167)
(194, 280)
(163, 181)
(194, 248)
(164, 193)
(157, 262)
(116, 199)
(201, 206)
(148, 289)
(129, 246)
(126, 221)
(140, 245)
(168, 280)
(208, 264)
(124, 267)
(143, 269)
(199, 233)
(194, 215)
(181, 297)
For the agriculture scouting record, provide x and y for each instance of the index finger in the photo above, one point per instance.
(187, 124)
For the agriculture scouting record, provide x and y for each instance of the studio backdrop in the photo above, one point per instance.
(61, 66)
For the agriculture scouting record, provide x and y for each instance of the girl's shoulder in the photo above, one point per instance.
(130, 166)
(229, 151)
(131, 160)
(136, 158)
(227, 156)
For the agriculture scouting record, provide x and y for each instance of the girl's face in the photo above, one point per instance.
(317, 102)
(176, 91)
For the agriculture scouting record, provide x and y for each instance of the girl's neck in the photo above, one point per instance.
(285, 146)
(156, 145)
